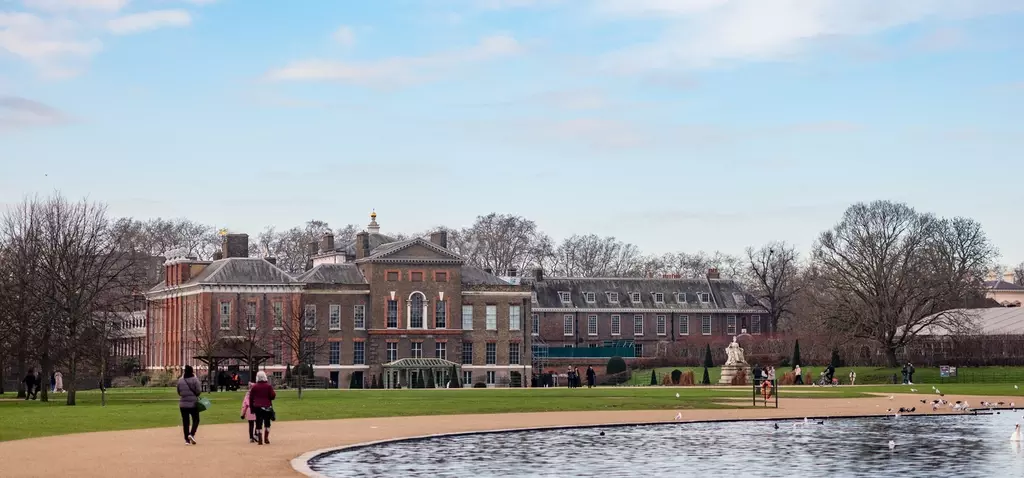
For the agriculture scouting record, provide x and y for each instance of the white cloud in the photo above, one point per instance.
(701, 33)
(396, 70)
(344, 36)
(141, 22)
(507, 4)
(56, 47)
(75, 5)
(17, 113)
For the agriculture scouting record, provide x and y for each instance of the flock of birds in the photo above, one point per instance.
(956, 406)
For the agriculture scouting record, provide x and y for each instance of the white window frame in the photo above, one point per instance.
(755, 324)
(613, 297)
(487, 359)
(425, 309)
(391, 347)
(413, 347)
(250, 315)
(309, 317)
(491, 317)
(440, 347)
(225, 315)
(387, 313)
(334, 317)
(659, 297)
(515, 317)
(661, 325)
(592, 325)
(616, 324)
(684, 325)
(567, 325)
(638, 325)
(730, 325)
(330, 353)
(704, 297)
(355, 348)
(467, 317)
(518, 349)
(491, 377)
(467, 378)
(634, 297)
(534, 324)
(564, 297)
(359, 317)
(681, 297)
(278, 315)
(442, 307)
(590, 297)
(705, 325)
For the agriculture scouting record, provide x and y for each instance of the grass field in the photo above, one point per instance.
(865, 375)
(135, 408)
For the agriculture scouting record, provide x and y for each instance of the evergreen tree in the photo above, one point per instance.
(654, 377)
(288, 374)
(430, 380)
(796, 354)
(455, 378)
(836, 361)
(707, 378)
(708, 362)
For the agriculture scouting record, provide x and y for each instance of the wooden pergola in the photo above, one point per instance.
(234, 348)
(400, 372)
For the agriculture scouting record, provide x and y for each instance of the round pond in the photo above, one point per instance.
(964, 446)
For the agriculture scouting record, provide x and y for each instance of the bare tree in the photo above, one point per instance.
(773, 270)
(254, 332)
(1018, 274)
(498, 241)
(594, 256)
(20, 237)
(889, 272)
(303, 336)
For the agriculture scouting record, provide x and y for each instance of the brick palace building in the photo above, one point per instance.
(372, 301)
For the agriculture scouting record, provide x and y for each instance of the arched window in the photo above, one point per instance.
(417, 310)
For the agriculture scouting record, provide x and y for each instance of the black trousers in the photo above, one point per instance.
(252, 429)
(262, 418)
(186, 415)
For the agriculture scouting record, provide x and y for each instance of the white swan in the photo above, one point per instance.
(1016, 433)
(892, 444)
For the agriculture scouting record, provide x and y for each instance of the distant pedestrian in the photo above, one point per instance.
(906, 373)
(249, 414)
(261, 401)
(53, 382)
(570, 380)
(591, 377)
(799, 379)
(31, 385)
(771, 374)
(188, 404)
(910, 373)
(853, 377)
(58, 382)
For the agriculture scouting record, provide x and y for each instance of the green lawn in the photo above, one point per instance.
(135, 408)
(865, 375)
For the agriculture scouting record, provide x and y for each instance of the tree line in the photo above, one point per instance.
(884, 273)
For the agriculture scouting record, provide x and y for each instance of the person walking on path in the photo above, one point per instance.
(188, 403)
(58, 382)
(906, 373)
(261, 402)
(799, 379)
(248, 414)
(31, 385)
(853, 377)
(591, 377)
(910, 373)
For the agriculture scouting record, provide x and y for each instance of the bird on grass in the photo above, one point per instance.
(892, 445)
(913, 390)
(776, 426)
(679, 416)
(891, 397)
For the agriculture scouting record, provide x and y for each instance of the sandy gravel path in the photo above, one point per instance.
(224, 451)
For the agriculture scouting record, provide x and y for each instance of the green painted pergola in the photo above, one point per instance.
(400, 371)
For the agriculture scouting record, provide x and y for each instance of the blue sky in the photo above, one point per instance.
(673, 124)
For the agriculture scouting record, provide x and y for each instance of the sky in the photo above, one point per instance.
(677, 125)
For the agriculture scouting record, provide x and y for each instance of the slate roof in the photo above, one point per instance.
(1002, 285)
(991, 321)
(237, 271)
(386, 250)
(333, 274)
(723, 293)
(376, 240)
(476, 276)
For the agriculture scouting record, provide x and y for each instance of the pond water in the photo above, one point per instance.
(963, 446)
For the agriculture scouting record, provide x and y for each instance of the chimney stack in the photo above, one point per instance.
(311, 249)
(713, 274)
(440, 238)
(538, 274)
(362, 244)
(235, 245)
(327, 243)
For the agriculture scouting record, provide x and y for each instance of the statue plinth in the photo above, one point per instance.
(730, 371)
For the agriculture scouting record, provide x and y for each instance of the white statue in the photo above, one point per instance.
(734, 353)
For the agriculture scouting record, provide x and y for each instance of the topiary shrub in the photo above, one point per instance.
(687, 378)
(479, 385)
(616, 365)
(708, 362)
(707, 378)
(666, 380)
(796, 354)
(676, 376)
(654, 377)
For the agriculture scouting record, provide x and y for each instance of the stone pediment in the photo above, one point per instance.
(415, 250)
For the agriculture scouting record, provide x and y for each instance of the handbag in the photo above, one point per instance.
(270, 413)
(203, 404)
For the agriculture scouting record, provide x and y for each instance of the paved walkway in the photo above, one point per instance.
(224, 451)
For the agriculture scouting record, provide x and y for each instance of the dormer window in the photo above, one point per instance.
(659, 298)
(564, 297)
(634, 297)
(613, 297)
(590, 297)
(705, 297)
(681, 297)
(533, 297)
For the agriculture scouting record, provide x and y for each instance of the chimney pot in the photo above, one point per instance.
(362, 244)
(440, 238)
(235, 245)
(713, 273)
(327, 243)
(218, 255)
